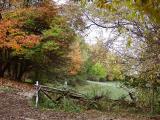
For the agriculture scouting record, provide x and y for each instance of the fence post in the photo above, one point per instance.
(37, 90)
(65, 84)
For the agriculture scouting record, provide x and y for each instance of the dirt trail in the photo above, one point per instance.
(15, 107)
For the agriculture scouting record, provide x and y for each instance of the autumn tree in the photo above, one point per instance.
(74, 16)
(34, 40)
(76, 59)
(112, 63)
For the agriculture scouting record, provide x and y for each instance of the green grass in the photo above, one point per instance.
(7, 89)
(112, 89)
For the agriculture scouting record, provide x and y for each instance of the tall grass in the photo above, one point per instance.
(65, 104)
(95, 91)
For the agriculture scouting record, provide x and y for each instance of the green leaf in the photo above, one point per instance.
(129, 42)
(54, 31)
(50, 46)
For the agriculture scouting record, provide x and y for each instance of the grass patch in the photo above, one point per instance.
(7, 89)
(112, 90)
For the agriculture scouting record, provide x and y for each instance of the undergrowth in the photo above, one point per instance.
(65, 104)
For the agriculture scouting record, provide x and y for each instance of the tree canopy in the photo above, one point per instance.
(34, 40)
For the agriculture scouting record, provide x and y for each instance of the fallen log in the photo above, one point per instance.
(63, 92)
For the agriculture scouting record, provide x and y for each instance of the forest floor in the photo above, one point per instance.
(15, 106)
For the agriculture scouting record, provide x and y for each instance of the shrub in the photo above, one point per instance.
(92, 78)
(76, 80)
(102, 80)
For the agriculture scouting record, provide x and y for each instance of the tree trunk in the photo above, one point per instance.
(0, 16)
(21, 70)
(1, 73)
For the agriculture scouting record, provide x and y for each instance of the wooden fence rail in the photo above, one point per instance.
(64, 92)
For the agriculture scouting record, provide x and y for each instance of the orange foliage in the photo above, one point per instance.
(30, 41)
(76, 59)
(11, 36)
